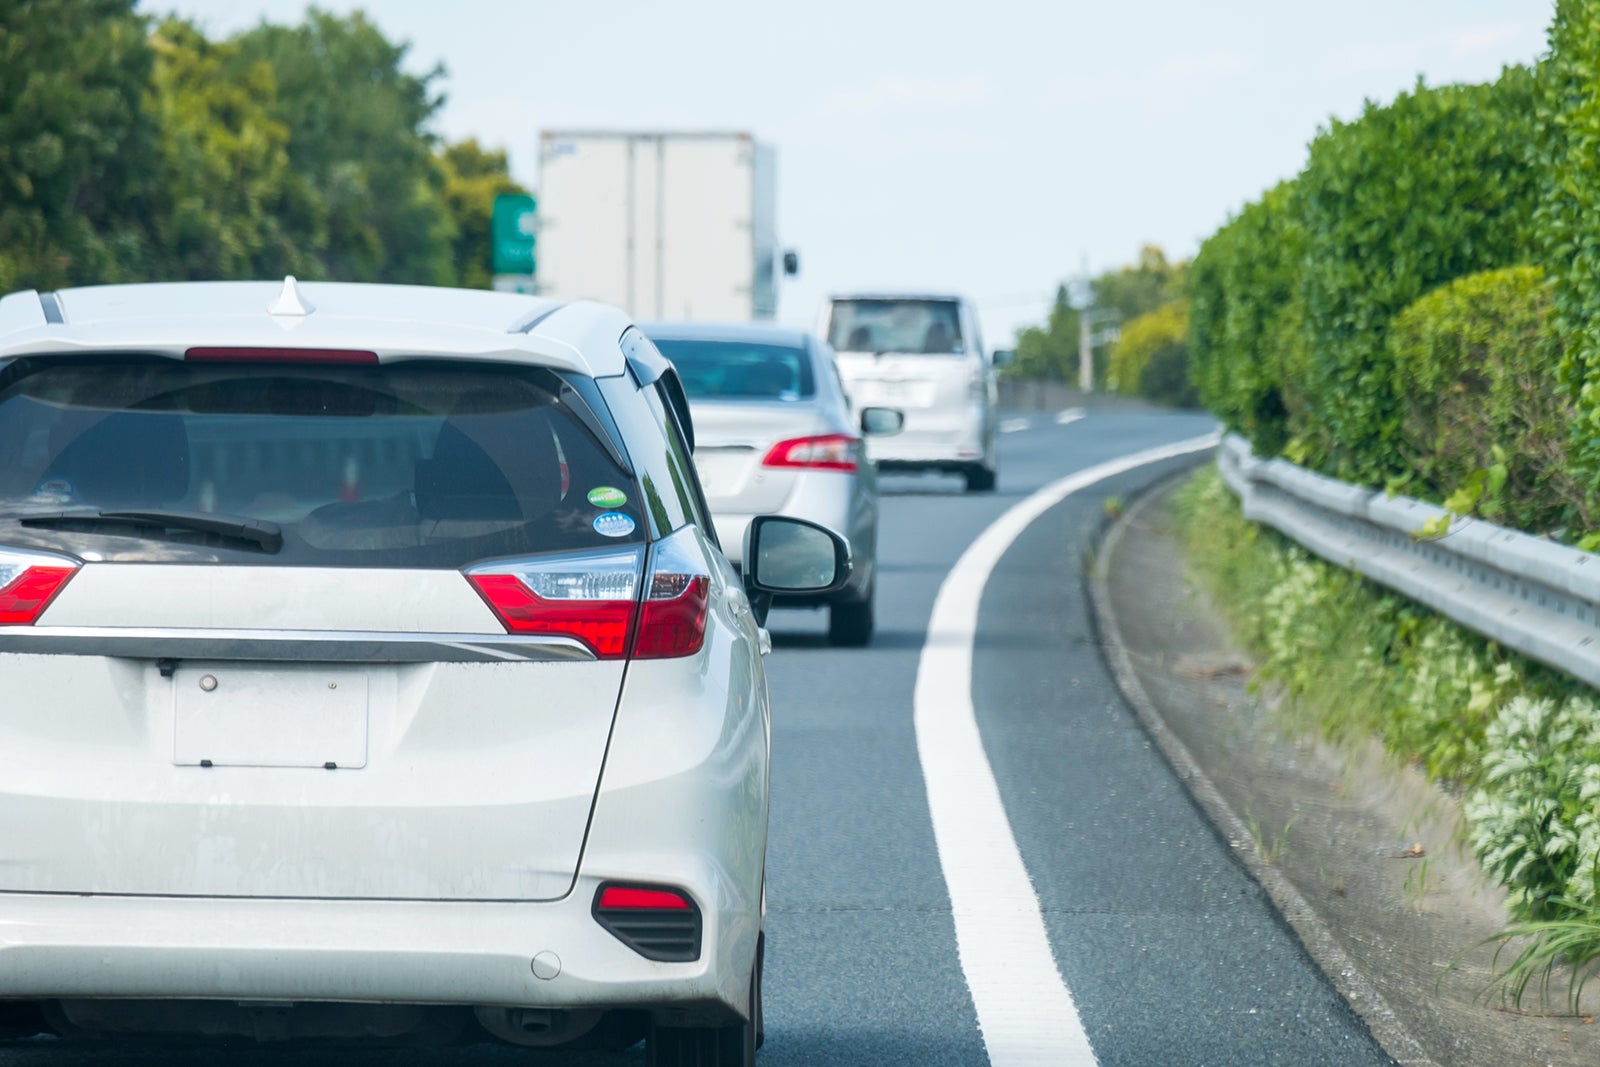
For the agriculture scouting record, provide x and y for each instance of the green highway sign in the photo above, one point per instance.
(513, 229)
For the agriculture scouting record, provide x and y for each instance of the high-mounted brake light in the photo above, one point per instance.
(828, 452)
(589, 596)
(281, 355)
(28, 583)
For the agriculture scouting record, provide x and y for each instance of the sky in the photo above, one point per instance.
(993, 148)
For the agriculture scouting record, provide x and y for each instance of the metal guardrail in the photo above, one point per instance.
(1528, 593)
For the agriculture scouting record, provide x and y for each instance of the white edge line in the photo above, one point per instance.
(1025, 1010)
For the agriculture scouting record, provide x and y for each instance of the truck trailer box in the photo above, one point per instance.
(664, 225)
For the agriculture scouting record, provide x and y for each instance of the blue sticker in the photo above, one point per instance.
(613, 524)
(54, 490)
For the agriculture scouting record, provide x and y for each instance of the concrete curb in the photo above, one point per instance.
(1320, 943)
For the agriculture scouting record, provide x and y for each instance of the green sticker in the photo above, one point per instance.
(605, 496)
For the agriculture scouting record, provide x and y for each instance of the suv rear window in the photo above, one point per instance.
(736, 370)
(399, 465)
(902, 326)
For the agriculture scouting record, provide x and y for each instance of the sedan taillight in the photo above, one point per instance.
(28, 582)
(828, 452)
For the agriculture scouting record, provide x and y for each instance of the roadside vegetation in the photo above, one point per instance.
(1139, 339)
(1419, 311)
(134, 149)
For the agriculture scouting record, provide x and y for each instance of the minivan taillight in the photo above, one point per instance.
(827, 452)
(595, 597)
(588, 596)
(672, 619)
(28, 582)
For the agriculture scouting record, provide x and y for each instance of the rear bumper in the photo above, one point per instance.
(682, 803)
(402, 952)
(945, 440)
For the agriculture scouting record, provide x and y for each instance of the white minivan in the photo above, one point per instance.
(922, 354)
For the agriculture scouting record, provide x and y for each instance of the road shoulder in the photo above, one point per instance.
(1360, 857)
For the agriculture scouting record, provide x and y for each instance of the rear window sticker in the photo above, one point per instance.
(605, 496)
(55, 490)
(613, 524)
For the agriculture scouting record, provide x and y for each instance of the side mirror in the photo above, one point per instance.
(880, 422)
(785, 556)
(791, 262)
(1004, 357)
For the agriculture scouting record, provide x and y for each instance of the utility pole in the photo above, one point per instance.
(1085, 350)
(1081, 291)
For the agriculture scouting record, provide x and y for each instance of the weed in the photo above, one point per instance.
(1416, 888)
(1542, 950)
(1269, 851)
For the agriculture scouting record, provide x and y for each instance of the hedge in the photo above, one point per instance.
(1486, 421)
(1435, 186)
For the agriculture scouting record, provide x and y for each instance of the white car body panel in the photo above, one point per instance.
(682, 800)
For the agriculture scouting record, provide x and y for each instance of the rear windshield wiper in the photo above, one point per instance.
(261, 533)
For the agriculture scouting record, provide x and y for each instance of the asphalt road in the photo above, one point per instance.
(1173, 956)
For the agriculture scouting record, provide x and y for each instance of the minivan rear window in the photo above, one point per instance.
(398, 465)
(931, 327)
(734, 370)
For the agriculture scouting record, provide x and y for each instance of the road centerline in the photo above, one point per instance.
(1025, 1010)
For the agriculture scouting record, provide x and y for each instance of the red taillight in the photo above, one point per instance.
(632, 897)
(672, 621)
(829, 452)
(281, 355)
(594, 597)
(26, 596)
(601, 624)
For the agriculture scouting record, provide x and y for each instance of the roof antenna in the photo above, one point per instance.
(289, 301)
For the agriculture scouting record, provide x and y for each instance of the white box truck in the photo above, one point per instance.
(664, 225)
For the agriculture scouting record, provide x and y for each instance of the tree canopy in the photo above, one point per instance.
(132, 150)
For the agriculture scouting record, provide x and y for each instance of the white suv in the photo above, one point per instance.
(371, 669)
(922, 354)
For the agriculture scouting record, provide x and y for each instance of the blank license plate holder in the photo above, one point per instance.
(287, 715)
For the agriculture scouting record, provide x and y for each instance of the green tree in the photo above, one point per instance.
(226, 183)
(358, 133)
(1151, 357)
(1050, 351)
(1143, 287)
(473, 177)
(77, 151)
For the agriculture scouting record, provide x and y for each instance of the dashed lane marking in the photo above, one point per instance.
(1070, 416)
(1013, 425)
(1025, 1010)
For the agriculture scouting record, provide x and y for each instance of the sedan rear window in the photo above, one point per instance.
(408, 464)
(932, 327)
(734, 369)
